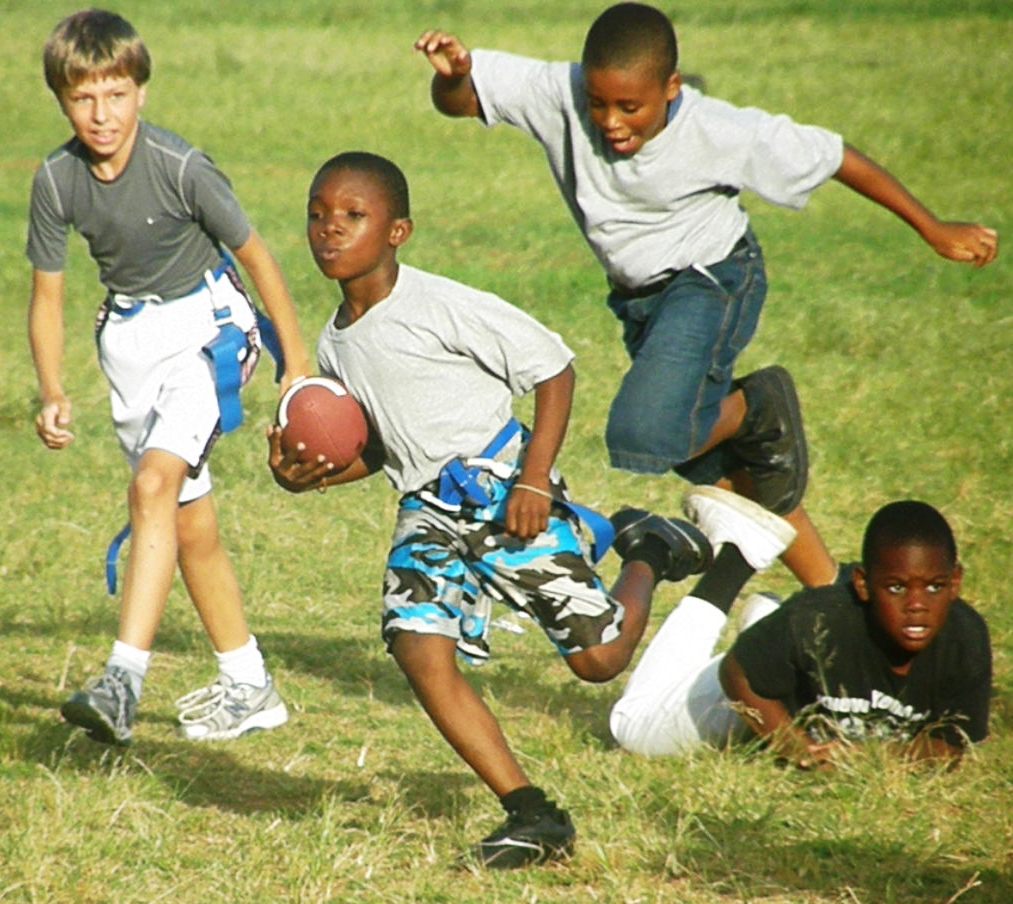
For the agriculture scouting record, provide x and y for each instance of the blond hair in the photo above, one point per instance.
(94, 44)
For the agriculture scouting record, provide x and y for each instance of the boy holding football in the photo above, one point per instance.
(158, 218)
(652, 170)
(483, 514)
(896, 655)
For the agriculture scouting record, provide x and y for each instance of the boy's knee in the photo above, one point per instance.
(596, 664)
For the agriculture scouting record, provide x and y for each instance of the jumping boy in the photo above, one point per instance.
(652, 171)
(896, 656)
(484, 514)
(158, 218)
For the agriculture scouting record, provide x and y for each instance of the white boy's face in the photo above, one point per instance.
(629, 106)
(104, 113)
(910, 589)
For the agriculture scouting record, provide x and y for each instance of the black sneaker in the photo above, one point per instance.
(689, 550)
(527, 838)
(771, 444)
(105, 708)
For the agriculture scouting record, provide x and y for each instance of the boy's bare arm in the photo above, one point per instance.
(45, 333)
(452, 90)
(258, 261)
(970, 242)
(771, 720)
(530, 500)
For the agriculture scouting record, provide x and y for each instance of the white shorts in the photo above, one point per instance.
(674, 701)
(162, 387)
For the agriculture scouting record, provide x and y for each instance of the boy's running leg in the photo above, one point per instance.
(536, 829)
(107, 705)
(243, 697)
(652, 548)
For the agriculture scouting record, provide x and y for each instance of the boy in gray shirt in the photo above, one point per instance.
(158, 218)
(651, 171)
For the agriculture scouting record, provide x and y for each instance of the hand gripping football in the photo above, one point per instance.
(319, 413)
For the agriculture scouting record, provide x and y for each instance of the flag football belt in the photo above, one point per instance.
(226, 351)
(459, 485)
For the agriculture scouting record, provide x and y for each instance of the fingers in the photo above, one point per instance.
(446, 53)
(290, 472)
(51, 425)
(527, 514)
(968, 243)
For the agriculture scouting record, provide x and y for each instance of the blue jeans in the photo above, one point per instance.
(683, 340)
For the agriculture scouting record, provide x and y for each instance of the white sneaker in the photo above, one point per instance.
(226, 710)
(726, 517)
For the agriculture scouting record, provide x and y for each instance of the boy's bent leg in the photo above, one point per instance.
(808, 557)
(462, 717)
(673, 701)
(683, 343)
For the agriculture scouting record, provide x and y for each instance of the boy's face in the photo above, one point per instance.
(351, 231)
(104, 112)
(630, 105)
(910, 589)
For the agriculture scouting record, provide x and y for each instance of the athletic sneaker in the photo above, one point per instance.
(105, 708)
(771, 442)
(529, 837)
(725, 517)
(226, 710)
(689, 550)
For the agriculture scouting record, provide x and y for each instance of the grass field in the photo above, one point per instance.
(904, 365)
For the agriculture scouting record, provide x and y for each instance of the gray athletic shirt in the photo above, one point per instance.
(675, 203)
(436, 365)
(153, 230)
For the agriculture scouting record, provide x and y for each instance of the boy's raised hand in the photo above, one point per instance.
(968, 242)
(448, 56)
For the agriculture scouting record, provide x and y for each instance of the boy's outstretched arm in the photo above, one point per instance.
(968, 242)
(770, 720)
(452, 90)
(258, 261)
(530, 500)
(45, 333)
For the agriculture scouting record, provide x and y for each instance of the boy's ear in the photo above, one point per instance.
(956, 577)
(401, 231)
(673, 86)
(859, 582)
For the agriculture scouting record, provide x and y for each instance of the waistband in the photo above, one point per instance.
(127, 305)
(659, 285)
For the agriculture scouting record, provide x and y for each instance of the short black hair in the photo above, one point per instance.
(629, 34)
(907, 522)
(386, 172)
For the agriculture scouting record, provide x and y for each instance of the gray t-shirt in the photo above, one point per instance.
(676, 202)
(153, 230)
(436, 365)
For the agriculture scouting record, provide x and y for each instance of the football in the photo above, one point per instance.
(319, 413)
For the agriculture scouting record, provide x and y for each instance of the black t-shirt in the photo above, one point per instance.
(816, 655)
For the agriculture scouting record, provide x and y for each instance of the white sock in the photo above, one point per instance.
(244, 665)
(133, 660)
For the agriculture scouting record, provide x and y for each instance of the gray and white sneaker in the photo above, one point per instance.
(726, 517)
(224, 710)
(105, 708)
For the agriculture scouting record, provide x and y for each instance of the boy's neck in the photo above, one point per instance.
(108, 169)
(361, 295)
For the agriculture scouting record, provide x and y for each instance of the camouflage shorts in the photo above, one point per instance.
(445, 569)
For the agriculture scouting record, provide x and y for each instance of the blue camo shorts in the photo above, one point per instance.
(446, 568)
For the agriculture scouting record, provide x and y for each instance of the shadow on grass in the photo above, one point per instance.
(197, 775)
(742, 856)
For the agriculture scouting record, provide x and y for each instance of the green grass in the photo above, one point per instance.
(904, 366)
